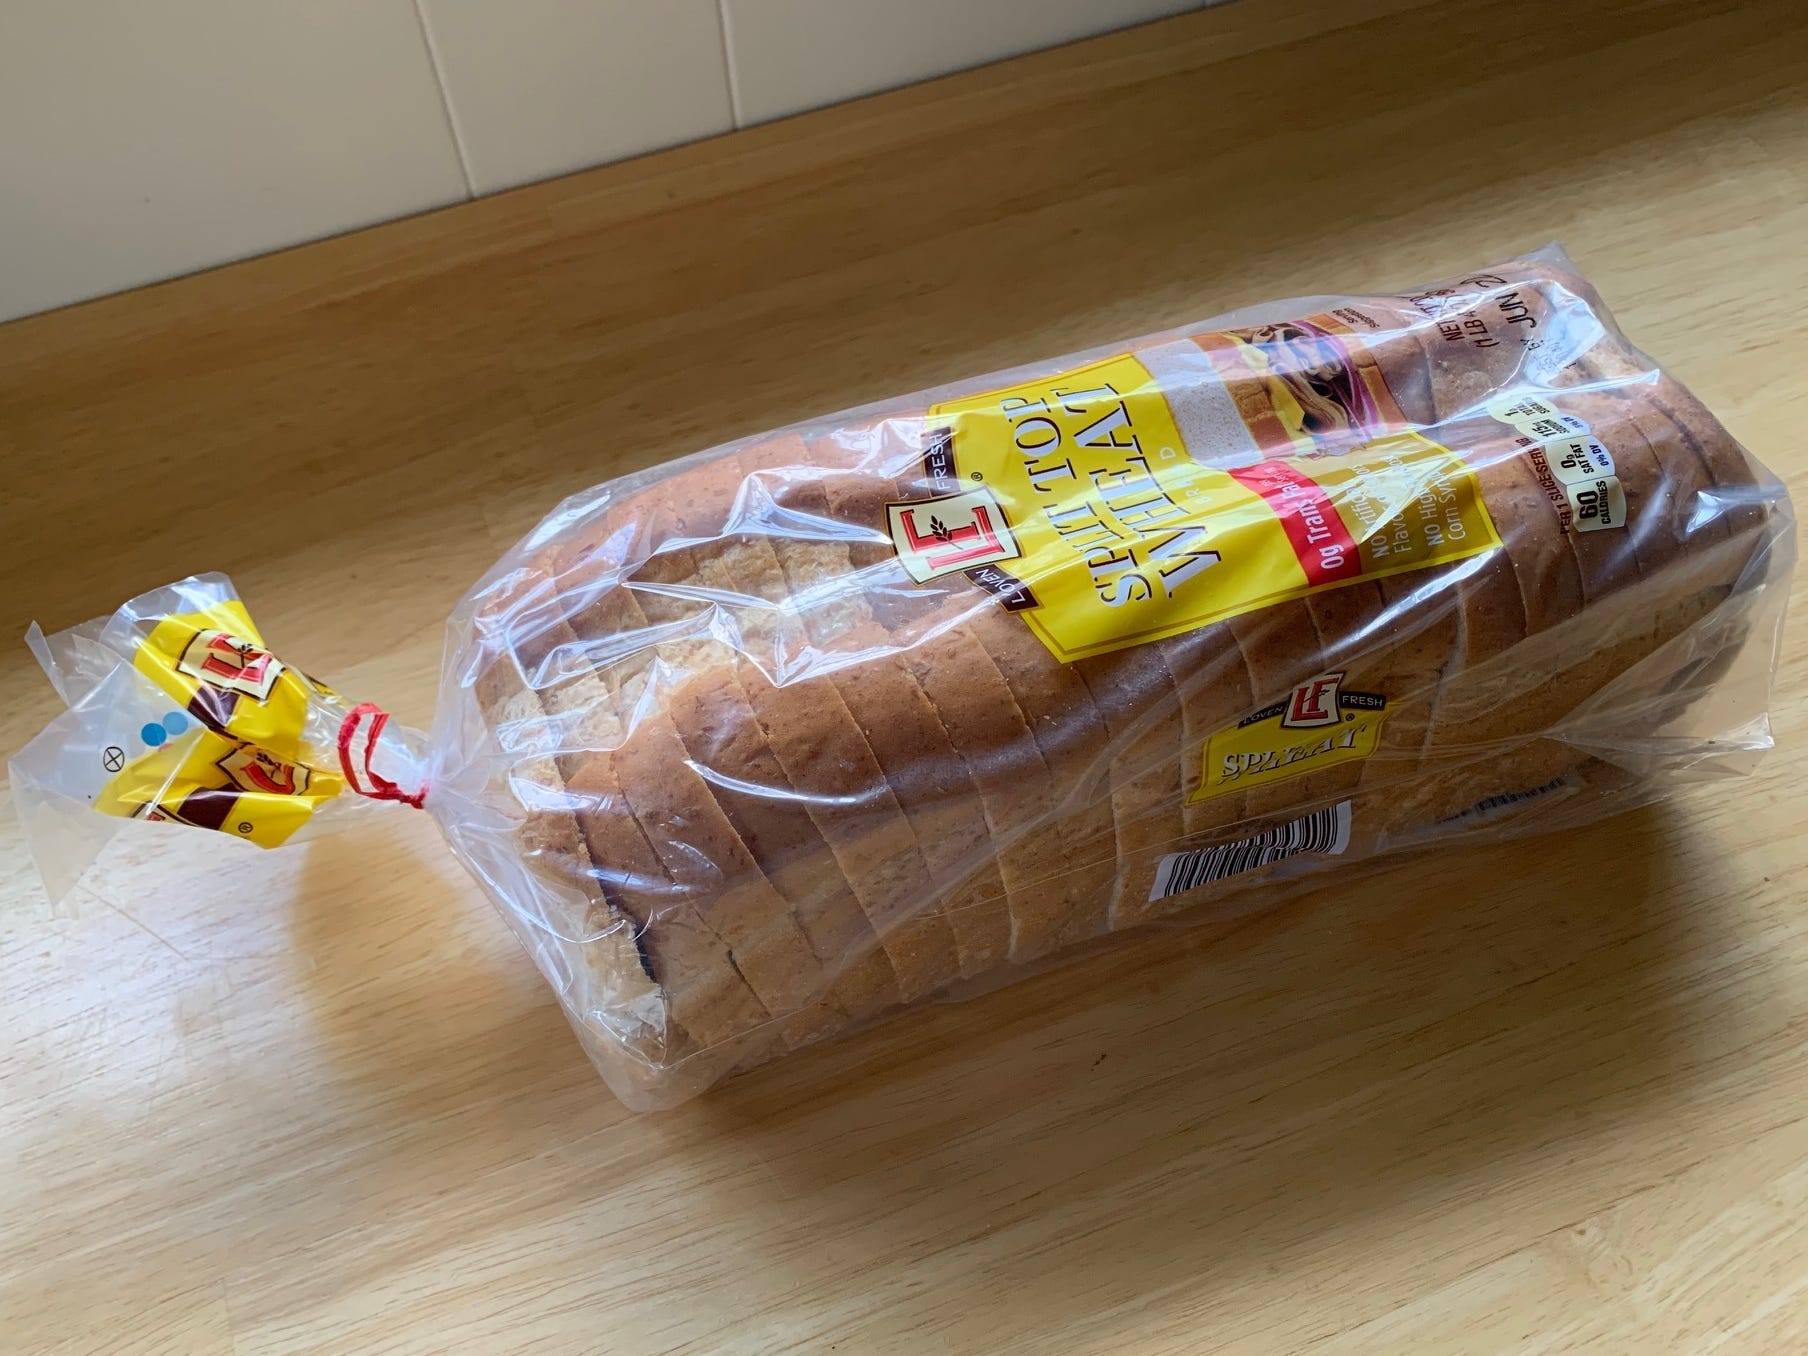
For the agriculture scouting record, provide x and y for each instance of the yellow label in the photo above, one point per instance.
(1074, 499)
(209, 781)
(240, 769)
(214, 663)
(1318, 726)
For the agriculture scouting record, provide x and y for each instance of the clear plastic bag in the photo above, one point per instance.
(756, 747)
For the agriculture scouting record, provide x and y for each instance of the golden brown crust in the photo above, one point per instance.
(983, 722)
(933, 785)
(844, 791)
(1069, 872)
(1135, 695)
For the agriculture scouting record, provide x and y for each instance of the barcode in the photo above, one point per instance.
(1325, 831)
(1487, 803)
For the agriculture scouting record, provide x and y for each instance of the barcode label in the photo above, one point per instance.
(1325, 831)
(1488, 805)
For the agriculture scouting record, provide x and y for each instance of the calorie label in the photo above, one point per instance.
(1574, 466)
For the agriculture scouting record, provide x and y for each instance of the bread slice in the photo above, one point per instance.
(1047, 878)
(845, 793)
(1212, 690)
(983, 723)
(920, 766)
(809, 590)
(945, 803)
(656, 775)
(1070, 735)
(707, 1002)
(962, 885)
(613, 983)
(1135, 695)
(753, 787)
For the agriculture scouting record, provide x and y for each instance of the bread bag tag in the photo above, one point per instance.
(179, 714)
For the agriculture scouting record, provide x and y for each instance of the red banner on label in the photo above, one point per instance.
(1323, 544)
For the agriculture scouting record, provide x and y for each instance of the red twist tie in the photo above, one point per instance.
(373, 784)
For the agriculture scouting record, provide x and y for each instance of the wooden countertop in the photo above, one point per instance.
(317, 1100)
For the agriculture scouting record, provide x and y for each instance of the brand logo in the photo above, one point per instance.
(1313, 703)
(254, 770)
(222, 660)
(1316, 726)
(949, 533)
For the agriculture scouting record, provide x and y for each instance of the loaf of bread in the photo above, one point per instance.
(753, 763)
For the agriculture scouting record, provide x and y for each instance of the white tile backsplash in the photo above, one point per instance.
(138, 140)
(543, 87)
(789, 55)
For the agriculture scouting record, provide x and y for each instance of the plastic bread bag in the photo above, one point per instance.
(756, 747)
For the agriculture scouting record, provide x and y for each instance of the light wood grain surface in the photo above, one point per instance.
(317, 1100)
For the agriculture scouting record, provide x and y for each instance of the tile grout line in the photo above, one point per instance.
(734, 85)
(445, 98)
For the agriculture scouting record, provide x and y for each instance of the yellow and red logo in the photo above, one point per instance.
(1313, 703)
(1316, 726)
(252, 769)
(225, 661)
(950, 533)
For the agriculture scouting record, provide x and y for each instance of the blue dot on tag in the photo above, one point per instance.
(175, 722)
(153, 734)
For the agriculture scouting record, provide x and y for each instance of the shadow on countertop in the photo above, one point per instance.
(1164, 1123)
